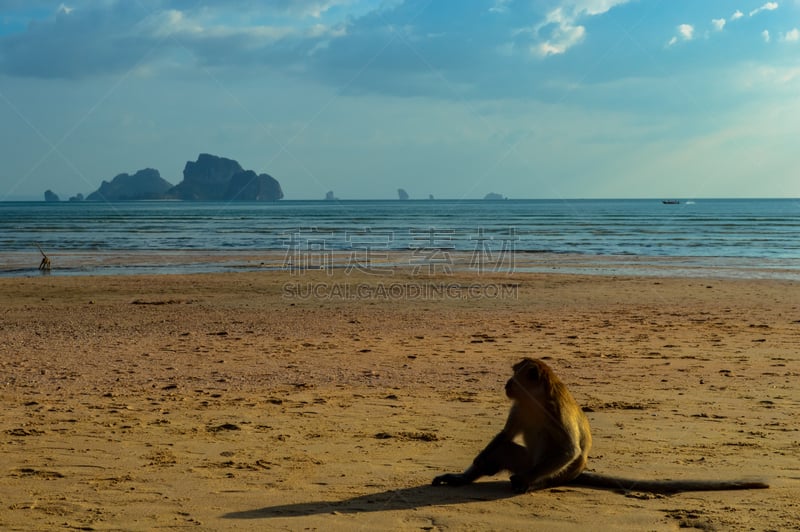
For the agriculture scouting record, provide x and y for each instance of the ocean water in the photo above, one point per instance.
(743, 237)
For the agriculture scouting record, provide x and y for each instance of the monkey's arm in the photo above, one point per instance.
(501, 453)
(458, 479)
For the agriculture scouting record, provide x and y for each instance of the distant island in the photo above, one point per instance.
(217, 178)
(143, 185)
(209, 178)
(493, 196)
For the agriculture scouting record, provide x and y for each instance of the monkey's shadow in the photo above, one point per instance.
(399, 499)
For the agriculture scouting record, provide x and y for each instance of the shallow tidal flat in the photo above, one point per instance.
(248, 401)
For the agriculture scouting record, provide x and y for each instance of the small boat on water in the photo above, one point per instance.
(671, 202)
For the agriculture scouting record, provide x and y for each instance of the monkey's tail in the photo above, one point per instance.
(595, 480)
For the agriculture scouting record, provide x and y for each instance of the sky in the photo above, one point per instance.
(450, 98)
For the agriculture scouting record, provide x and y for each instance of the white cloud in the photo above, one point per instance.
(792, 36)
(769, 6)
(685, 33)
(769, 78)
(718, 23)
(596, 7)
(292, 8)
(737, 15)
(109, 36)
(317, 9)
(500, 6)
(561, 30)
(178, 23)
(765, 35)
(170, 22)
(561, 44)
(564, 33)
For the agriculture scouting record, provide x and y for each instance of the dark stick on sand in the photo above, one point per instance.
(44, 266)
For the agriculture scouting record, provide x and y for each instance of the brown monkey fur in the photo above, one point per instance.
(557, 440)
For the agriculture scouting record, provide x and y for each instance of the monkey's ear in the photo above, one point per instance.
(534, 375)
(522, 363)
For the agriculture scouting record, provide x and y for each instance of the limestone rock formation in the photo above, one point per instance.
(249, 186)
(205, 179)
(209, 178)
(493, 196)
(143, 185)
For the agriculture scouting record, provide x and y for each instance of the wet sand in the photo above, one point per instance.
(263, 400)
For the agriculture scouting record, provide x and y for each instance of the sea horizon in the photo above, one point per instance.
(37, 199)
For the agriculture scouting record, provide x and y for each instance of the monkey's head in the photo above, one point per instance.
(532, 379)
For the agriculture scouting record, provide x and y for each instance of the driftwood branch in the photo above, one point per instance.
(45, 264)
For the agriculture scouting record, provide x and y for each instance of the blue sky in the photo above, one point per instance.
(527, 98)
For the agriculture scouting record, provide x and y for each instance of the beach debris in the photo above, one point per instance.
(44, 266)
(419, 436)
(408, 436)
(223, 427)
(618, 405)
(162, 302)
(24, 432)
(31, 472)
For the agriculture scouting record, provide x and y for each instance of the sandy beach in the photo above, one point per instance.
(270, 401)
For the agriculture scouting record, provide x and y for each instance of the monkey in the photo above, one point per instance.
(44, 266)
(557, 439)
(554, 429)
